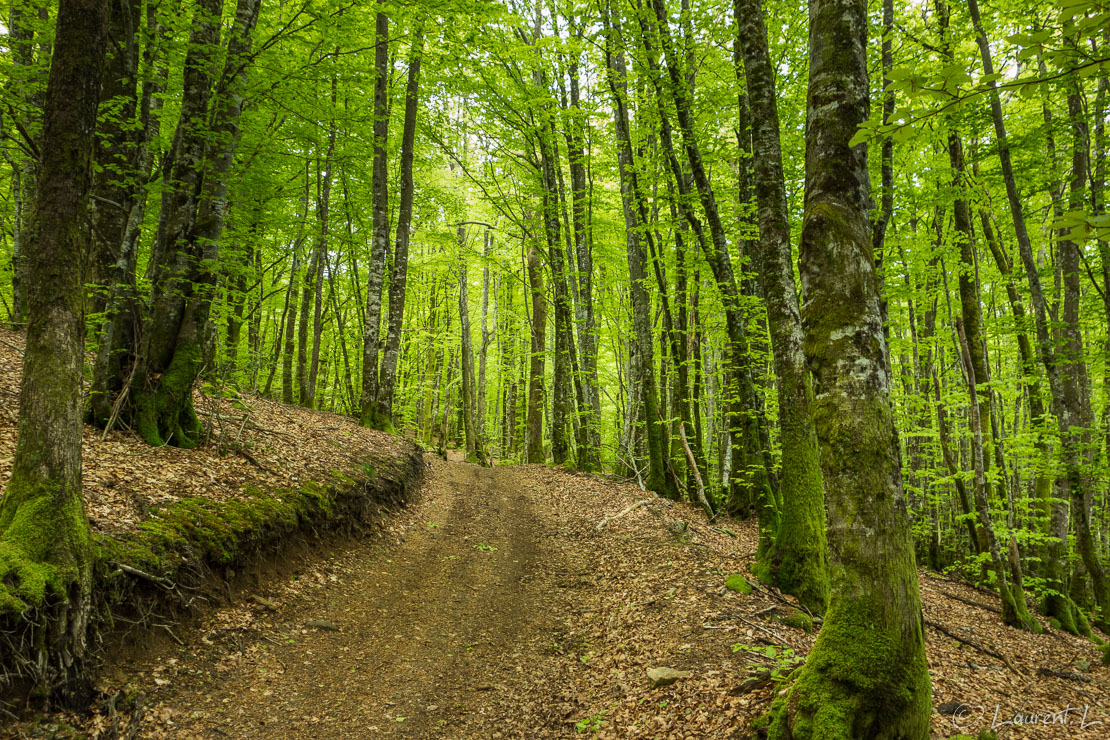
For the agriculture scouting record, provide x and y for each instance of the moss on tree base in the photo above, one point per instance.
(164, 413)
(46, 561)
(860, 681)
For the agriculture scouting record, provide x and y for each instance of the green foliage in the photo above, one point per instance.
(590, 724)
(783, 659)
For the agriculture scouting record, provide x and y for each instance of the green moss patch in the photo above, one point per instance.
(799, 620)
(183, 541)
(738, 583)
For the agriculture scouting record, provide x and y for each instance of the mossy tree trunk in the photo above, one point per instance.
(115, 352)
(798, 559)
(387, 382)
(178, 336)
(115, 182)
(867, 676)
(45, 544)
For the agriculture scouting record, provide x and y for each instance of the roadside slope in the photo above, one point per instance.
(174, 529)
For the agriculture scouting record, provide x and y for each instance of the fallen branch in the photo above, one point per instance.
(754, 682)
(633, 507)
(697, 473)
(117, 405)
(781, 640)
(970, 602)
(776, 594)
(176, 639)
(986, 651)
(1071, 676)
(9, 344)
(250, 458)
(143, 574)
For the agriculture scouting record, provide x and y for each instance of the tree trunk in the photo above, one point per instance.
(644, 371)
(397, 285)
(115, 181)
(589, 458)
(21, 39)
(487, 337)
(371, 415)
(115, 352)
(534, 428)
(161, 398)
(799, 558)
(46, 553)
(290, 345)
(562, 401)
(469, 391)
(867, 675)
(306, 393)
(178, 339)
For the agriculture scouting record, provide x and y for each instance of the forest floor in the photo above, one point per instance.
(529, 601)
(496, 608)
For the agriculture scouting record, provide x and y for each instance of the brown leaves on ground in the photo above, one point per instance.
(659, 601)
(253, 442)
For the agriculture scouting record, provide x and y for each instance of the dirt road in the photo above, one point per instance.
(496, 607)
(444, 631)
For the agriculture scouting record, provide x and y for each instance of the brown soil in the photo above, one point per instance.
(446, 631)
(494, 607)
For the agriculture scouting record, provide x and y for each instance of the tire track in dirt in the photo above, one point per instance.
(440, 635)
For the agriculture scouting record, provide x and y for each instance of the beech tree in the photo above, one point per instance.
(866, 675)
(46, 553)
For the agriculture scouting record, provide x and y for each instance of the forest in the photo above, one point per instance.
(840, 268)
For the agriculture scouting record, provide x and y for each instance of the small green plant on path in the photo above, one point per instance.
(783, 659)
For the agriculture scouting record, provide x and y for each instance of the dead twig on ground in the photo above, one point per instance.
(972, 644)
(626, 510)
(147, 576)
(780, 638)
(969, 602)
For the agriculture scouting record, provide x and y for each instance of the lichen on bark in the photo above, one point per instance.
(867, 676)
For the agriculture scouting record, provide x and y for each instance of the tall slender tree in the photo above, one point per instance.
(867, 675)
(46, 555)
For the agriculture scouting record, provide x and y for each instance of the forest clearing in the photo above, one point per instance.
(625, 367)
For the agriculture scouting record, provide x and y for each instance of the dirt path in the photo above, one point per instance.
(494, 607)
(439, 634)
